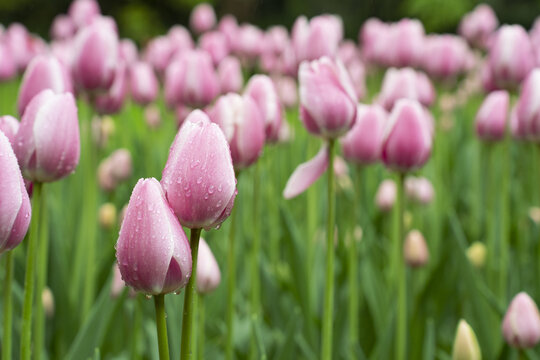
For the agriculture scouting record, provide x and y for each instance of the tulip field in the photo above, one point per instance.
(224, 191)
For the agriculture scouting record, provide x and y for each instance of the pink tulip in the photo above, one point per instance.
(96, 56)
(276, 39)
(528, 107)
(152, 116)
(357, 72)
(111, 102)
(230, 75)
(317, 38)
(143, 83)
(371, 37)
(43, 72)
(287, 90)
(445, 56)
(191, 79)
(243, 125)
(348, 52)
(262, 90)
(419, 190)
(407, 40)
(228, 26)
(9, 126)
(15, 208)
(249, 42)
(407, 139)
(415, 250)
(181, 112)
(405, 84)
(83, 12)
(180, 39)
(203, 18)
(306, 174)
(47, 144)
(327, 98)
(158, 53)
(62, 27)
(198, 179)
(492, 115)
(215, 44)
(22, 45)
(521, 324)
(8, 65)
(516, 127)
(127, 51)
(362, 144)
(208, 274)
(153, 252)
(386, 195)
(478, 25)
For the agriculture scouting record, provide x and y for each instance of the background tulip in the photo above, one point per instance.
(230, 75)
(465, 343)
(415, 250)
(521, 324)
(262, 90)
(208, 274)
(202, 18)
(491, 117)
(143, 83)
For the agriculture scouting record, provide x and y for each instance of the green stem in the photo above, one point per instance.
(26, 333)
(400, 274)
(8, 308)
(255, 258)
(489, 220)
(161, 325)
(326, 353)
(353, 277)
(200, 325)
(137, 324)
(190, 300)
(504, 223)
(41, 278)
(231, 280)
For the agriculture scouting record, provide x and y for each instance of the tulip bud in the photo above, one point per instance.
(405, 84)
(158, 53)
(216, 45)
(43, 72)
(415, 250)
(122, 164)
(47, 299)
(465, 343)
(386, 195)
(478, 25)
(407, 140)
(153, 252)
(243, 126)
(127, 51)
(198, 179)
(476, 253)
(317, 38)
(83, 12)
(230, 75)
(446, 56)
(521, 324)
(9, 126)
(362, 144)
(491, 117)
(111, 102)
(534, 214)
(327, 98)
(287, 91)
(527, 120)
(15, 208)
(143, 83)
(107, 215)
(62, 27)
(261, 89)
(152, 116)
(202, 18)
(8, 65)
(208, 274)
(419, 190)
(47, 144)
(249, 42)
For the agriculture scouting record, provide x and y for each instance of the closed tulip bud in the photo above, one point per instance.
(198, 179)
(478, 25)
(83, 12)
(228, 25)
(127, 51)
(180, 39)
(47, 299)
(262, 90)
(407, 40)
(112, 101)
(15, 208)
(476, 253)
(357, 72)
(317, 38)
(405, 84)
(415, 250)
(446, 56)
(208, 274)
(143, 83)
(158, 53)
(327, 98)
(527, 111)
(9, 126)
(62, 27)
(465, 343)
(287, 91)
(152, 116)
(276, 39)
(348, 52)
(43, 72)
(107, 215)
(230, 75)
(491, 117)
(216, 45)
(8, 65)
(407, 140)
(243, 126)
(248, 43)
(191, 79)
(122, 164)
(96, 56)
(153, 252)
(47, 144)
(386, 195)
(521, 324)
(203, 18)
(362, 144)
(419, 190)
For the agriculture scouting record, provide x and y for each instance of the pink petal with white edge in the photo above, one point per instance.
(306, 174)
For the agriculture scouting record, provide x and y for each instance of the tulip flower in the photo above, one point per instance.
(527, 113)
(47, 144)
(62, 27)
(230, 75)
(249, 42)
(405, 84)
(180, 39)
(9, 126)
(317, 38)
(215, 44)
(446, 56)
(228, 26)
(158, 53)
(287, 91)
(22, 45)
(407, 40)
(111, 101)
(478, 25)
(386, 195)
(203, 18)
(476, 253)
(107, 215)
(492, 115)
(415, 249)
(419, 190)
(144, 86)
(43, 72)
(115, 169)
(276, 39)
(152, 116)
(8, 66)
(208, 274)
(127, 51)
(521, 324)
(83, 12)
(465, 343)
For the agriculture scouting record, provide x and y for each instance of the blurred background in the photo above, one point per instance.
(142, 19)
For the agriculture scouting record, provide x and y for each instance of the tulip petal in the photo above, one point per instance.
(306, 174)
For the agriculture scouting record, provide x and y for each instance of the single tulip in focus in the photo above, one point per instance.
(465, 343)
(492, 115)
(327, 98)
(9, 126)
(153, 252)
(198, 179)
(521, 324)
(47, 144)
(203, 18)
(415, 249)
(15, 208)
(262, 90)
(208, 274)
(143, 83)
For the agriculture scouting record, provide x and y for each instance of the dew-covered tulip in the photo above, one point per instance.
(83, 12)
(95, 55)
(47, 144)
(526, 122)
(317, 37)
(415, 249)
(327, 98)
(407, 140)
(143, 83)
(208, 274)
(216, 45)
(362, 144)
(15, 208)
(62, 27)
(43, 72)
(405, 83)
(491, 117)
(112, 100)
(243, 125)
(191, 79)
(198, 178)
(202, 18)
(153, 252)
(306, 174)
(230, 75)
(478, 25)
(9, 126)
(465, 343)
(262, 90)
(521, 324)
(386, 195)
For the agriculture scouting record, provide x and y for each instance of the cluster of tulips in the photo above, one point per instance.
(224, 122)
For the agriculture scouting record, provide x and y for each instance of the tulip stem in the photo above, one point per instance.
(255, 251)
(29, 281)
(231, 279)
(329, 287)
(41, 278)
(400, 274)
(200, 325)
(504, 221)
(161, 325)
(353, 274)
(190, 300)
(8, 309)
